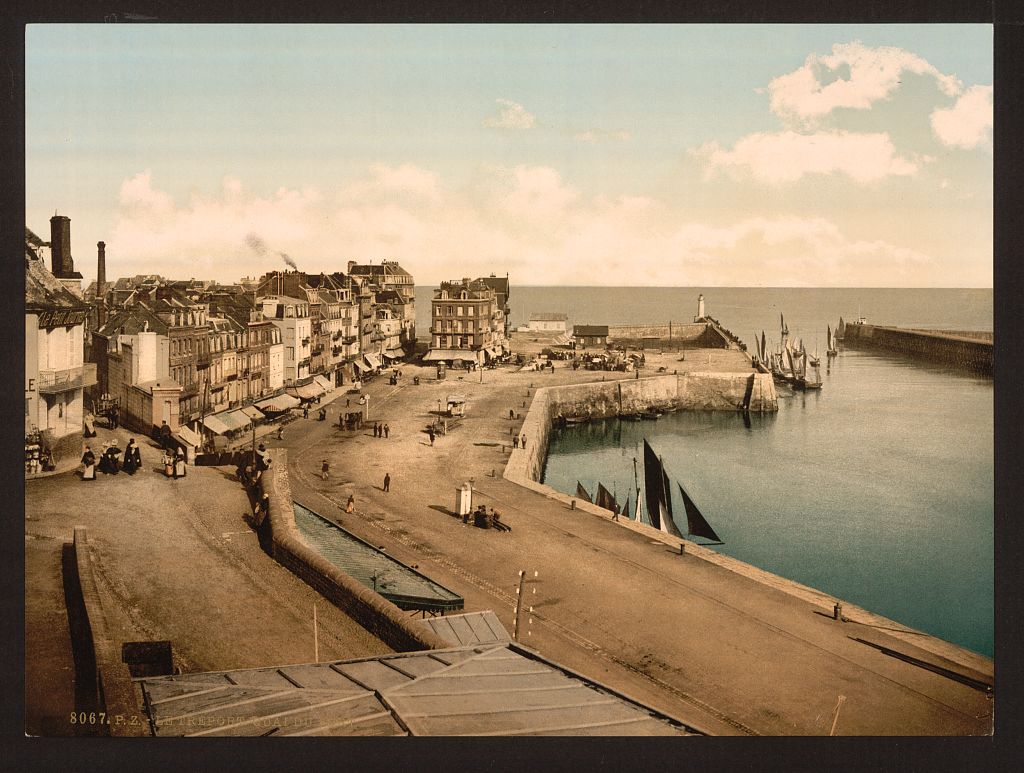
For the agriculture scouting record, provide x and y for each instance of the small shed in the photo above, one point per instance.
(590, 335)
(548, 322)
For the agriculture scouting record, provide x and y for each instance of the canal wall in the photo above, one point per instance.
(970, 351)
(368, 608)
(103, 682)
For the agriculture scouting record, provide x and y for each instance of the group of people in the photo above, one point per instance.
(109, 462)
(381, 430)
(518, 440)
(174, 463)
(487, 520)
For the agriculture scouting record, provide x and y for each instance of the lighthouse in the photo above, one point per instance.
(700, 308)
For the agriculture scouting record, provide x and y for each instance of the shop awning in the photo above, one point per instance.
(278, 403)
(252, 413)
(360, 367)
(323, 382)
(216, 425)
(305, 391)
(188, 437)
(395, 354)
(371, 360)
(448, 354)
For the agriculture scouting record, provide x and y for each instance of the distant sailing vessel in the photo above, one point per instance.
(659, 501)
(841, 330)
(832, 348)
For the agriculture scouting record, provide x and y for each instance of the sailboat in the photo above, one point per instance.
(831, 350)
(800, 380)
(659, 501)
(582, 493)
(841, 330)
(606, 499)
(814, 361)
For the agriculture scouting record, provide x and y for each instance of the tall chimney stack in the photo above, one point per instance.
(101, 269)
(60, 246)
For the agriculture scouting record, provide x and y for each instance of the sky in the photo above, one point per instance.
(615, 155)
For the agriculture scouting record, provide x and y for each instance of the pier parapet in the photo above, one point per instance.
(968, 350)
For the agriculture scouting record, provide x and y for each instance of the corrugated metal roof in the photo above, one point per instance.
(398, 583)
(496, 689)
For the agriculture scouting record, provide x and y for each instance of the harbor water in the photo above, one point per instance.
(878, 489)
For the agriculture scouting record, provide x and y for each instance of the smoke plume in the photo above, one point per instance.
(288, 260)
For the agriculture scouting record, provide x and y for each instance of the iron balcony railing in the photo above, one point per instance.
(54, 381)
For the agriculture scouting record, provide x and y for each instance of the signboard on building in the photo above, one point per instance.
(52, 318)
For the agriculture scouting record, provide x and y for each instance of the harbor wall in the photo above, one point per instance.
(368, 608)
(692, 335)
(526, 466)
(970, 351)
(602, 399)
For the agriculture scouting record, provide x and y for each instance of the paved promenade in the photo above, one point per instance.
(709, 645)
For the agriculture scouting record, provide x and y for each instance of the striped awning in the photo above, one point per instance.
(305, 391)
(324, 382)
(216, 425)
(278, 403)
(371, 360)
(252, 413)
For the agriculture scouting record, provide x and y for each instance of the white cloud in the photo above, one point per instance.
(968, 124)
(852, 76)
(511, 116)
(787, 156)
(526, 220)
(598, 136)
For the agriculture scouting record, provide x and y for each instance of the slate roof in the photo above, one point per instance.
(44, 291)
(590, 330)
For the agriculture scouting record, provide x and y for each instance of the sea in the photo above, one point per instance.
(877, 489)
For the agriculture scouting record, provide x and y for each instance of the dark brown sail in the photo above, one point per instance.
(696, 523)
(582, 492)
(605, 499)
(653, 485)
(659, 500)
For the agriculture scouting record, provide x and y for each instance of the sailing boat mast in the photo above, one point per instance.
(636, 482)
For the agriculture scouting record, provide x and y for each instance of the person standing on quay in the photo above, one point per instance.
(515, 441)
(511, 414)
(132, 457)
(165, 436)
(350, 506)
(430, 434)
(387, 482)
(88, 464)
(168, 463)
(325, 469)
(522, 441)
(387, 430)
(179, 464)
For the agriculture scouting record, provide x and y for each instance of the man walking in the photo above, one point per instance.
(430, 434)
(325, 468)
(522, 441)
(387, 482)
(515, 441)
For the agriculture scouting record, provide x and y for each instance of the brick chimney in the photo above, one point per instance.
(60, 246)
(101, 268)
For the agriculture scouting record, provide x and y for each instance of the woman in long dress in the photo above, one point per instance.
(112, 455)
(132, 458)
(168, 464)
(88, 464)
(179, 465)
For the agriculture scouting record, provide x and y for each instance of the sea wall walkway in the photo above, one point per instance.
(720, 646)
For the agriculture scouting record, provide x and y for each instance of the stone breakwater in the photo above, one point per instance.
(972, 351)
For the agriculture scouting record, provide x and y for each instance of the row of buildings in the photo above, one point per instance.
(182, 352)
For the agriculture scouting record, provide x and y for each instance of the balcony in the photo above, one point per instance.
(52, 382)
(203, 361)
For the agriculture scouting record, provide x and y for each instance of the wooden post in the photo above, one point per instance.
(316, 638)
(835, 716)
(519, 604)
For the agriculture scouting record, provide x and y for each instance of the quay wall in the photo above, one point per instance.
(371, 610)
(699, 334)
(103, 682)
(967, 351)
(601, 399)
(525, 467)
